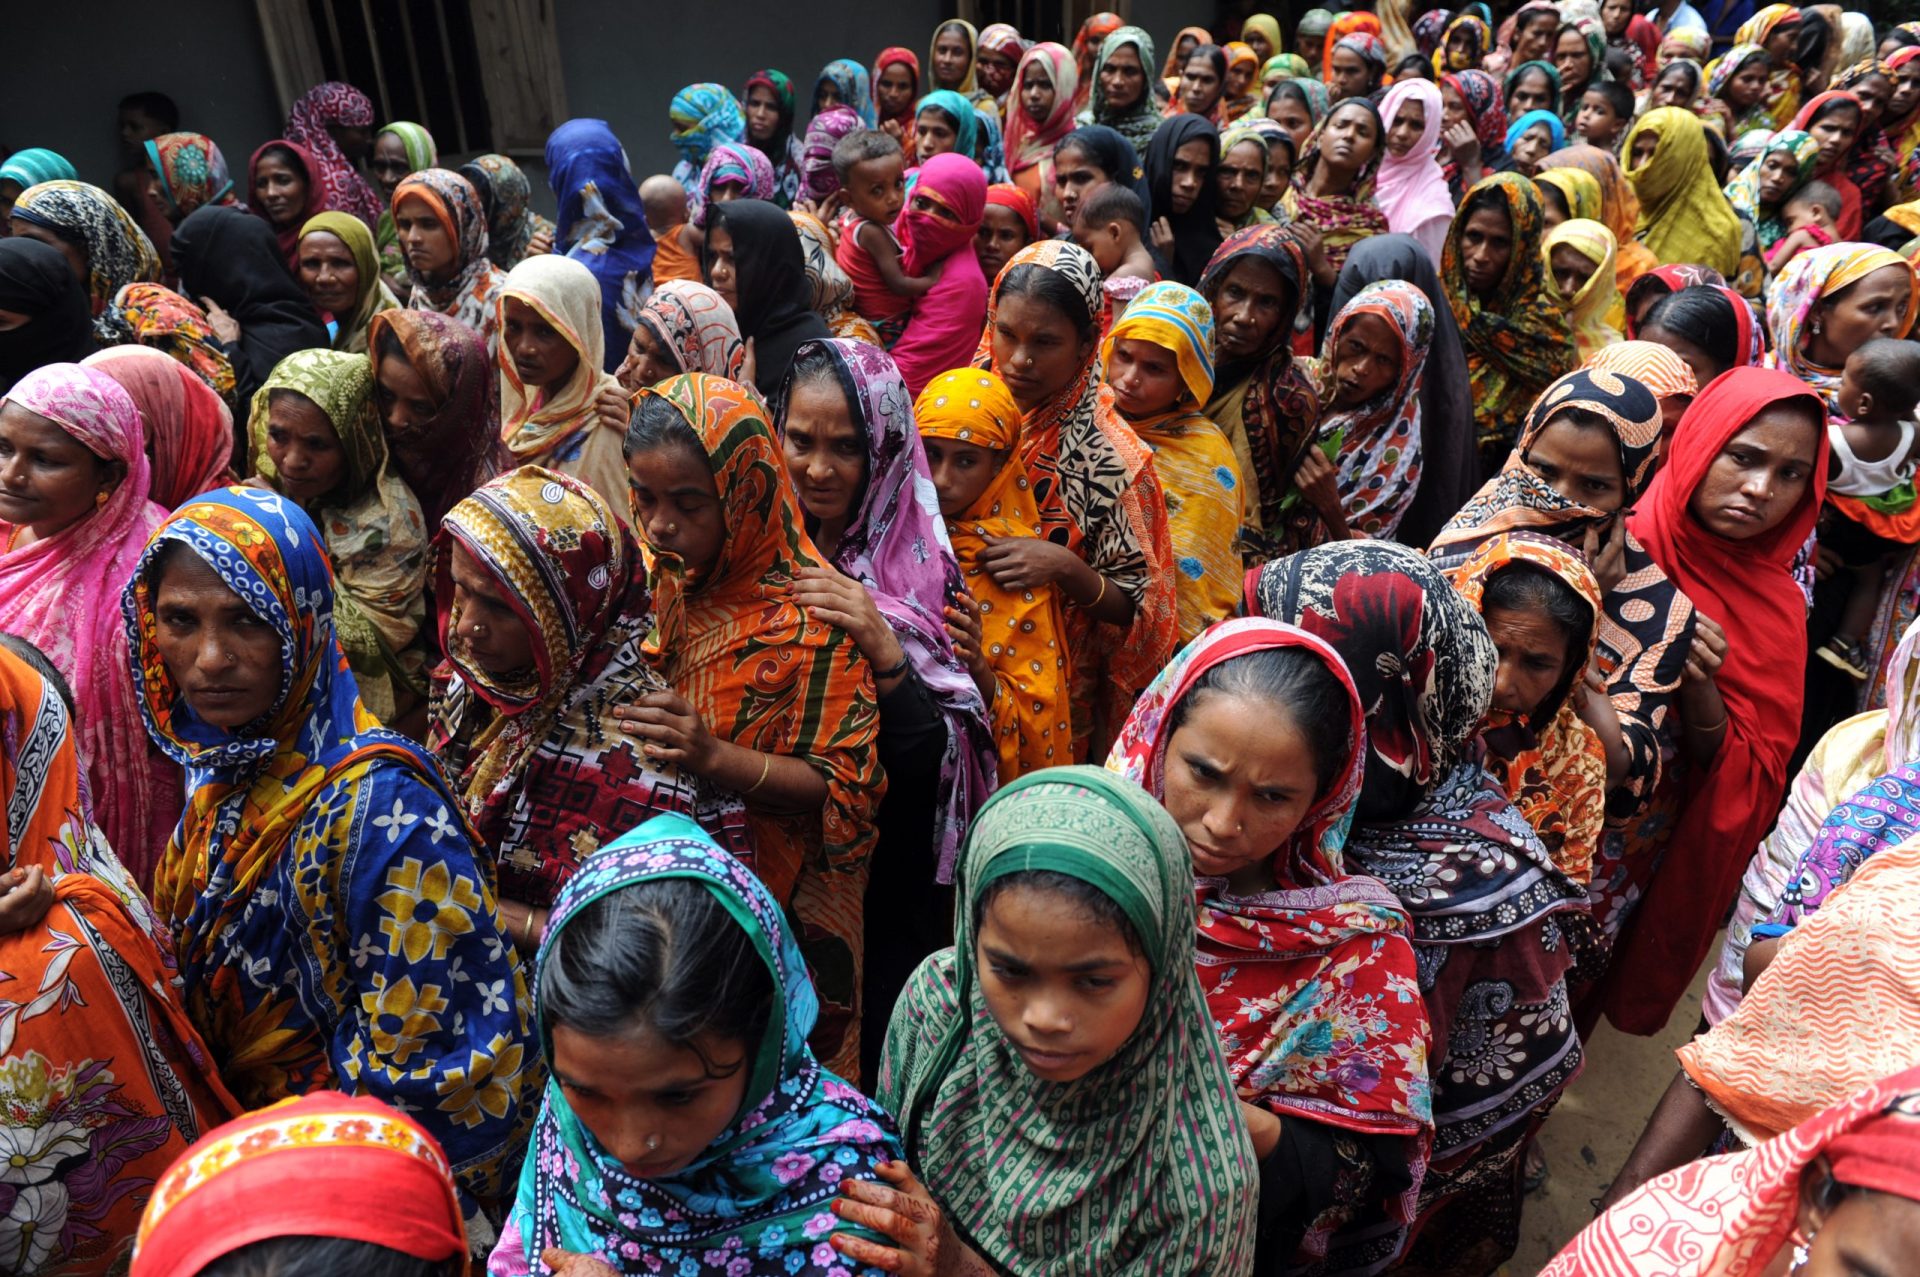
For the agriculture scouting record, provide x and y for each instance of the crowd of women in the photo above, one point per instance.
(576, 746)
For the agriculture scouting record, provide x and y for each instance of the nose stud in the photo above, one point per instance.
(653, 1143)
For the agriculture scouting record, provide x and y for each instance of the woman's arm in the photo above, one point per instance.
(674, 733)
(1703, 714)
(1680, 1130)
(1027, 563)
(924, 1243)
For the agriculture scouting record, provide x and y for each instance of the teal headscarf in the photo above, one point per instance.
(966, 125)
(35, 165)
(1513, 78)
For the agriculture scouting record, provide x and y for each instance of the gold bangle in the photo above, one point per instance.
(1101, 595)
(766, 765)
(1711, 727)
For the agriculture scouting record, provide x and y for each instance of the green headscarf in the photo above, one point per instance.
(374, 295)
(1144, 1164)
(421, 153)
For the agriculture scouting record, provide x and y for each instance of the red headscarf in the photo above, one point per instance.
(1748, 588)
(189, 427)
(1847, 225)
(289, 236)
(1006, 195)
(887, 58)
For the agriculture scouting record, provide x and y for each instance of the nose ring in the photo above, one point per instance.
(653, 1143)
(673, 529)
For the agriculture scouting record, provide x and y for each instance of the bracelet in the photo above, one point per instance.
(893, 671)
(766, 765)
(1096, 598)
(1711, 727)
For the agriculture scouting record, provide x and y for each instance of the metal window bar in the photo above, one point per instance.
(415, 59)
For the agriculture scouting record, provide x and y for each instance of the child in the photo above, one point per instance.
(872, 169)
(1111, 223)
(664, 201)
(1013, 642)
(1605, 111)
(1811, 214)
(1871, 480)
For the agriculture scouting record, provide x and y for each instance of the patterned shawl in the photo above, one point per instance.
(850, 80)
(1074, 1179)
(189, 429)
(191, 172)
(335, 103)
(824, 132)
(1379, 441)
(542, 768)
(832, 289)
(1719, 74)
(782, 150)
(1025, 631)
(732, 164)
(1883, 814)
(1517, 338)
(1684, 216)
(602, 224)
(1029, 143)
(702, 116)
(1800, 289)
(1588, 308)
(1487, 109)
(895, 544)
(59, 593)
(471, 293)
(1743, 192)
(446, 456)
(1137, 123)
(1783, 85)
(1619, 207)
(696, 327)
(167, 322)
(504, 188)
(1312, 985)
(118, 252)
(755, 1202)
(1479, 37)
(376, 535)
(318, 845)
(374, 297)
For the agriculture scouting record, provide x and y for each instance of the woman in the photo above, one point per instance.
(1619, 208)
(1091, 154)
(684, 327)
(335, 261)
(1297, 105)
(334, 121)
(1333, 188)
(258, 312)
(167, 322)
(943, 122)
(99, 240)
(1119, 94)
(1179, 165)
(733, 171)
(1580, 55)
(37, 283)
(1104, 512)
(189, 172)
(514, 231)
(1039, 115)
(1737, 92)
(1828, 302)
(264, 867)
(1776, 29)
(1356, 62)
(1532, 86)
(1464, 43)
(285, 193)
(109, 1080)
(1201, 89)
(1411, 188)
(1239, 96)
(937, 233)
(1566, 194)
(75, 511)
(1834, 120)
(952, 60)
(1436, 827)
(1709, 326)
(1580, 259)
(443, 230)
(315, 438)
(1525, 37)
(1473, 97)
(726, 558)
(957, 1080)
(189, 429)
(896, 90)
(752, 258)
(602, 225)
(1288, 964)
(1871, 163)
(400, 148)
(1658, 369)
(768, 105)
(437, 393)
(1000, 50)
(1760, 191)
(1902, 120)
(700, 116)
(1517, 337)
(844, 82)
(1188, 39)
(1371, 377)
(1683, 215)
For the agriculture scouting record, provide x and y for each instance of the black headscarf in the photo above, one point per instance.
(1196, 232)
(224, 254)
(1450, 465)
(1115, 156)
(770, 279)
(36, 281)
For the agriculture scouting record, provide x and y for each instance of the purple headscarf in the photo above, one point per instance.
(816, 152)
(739, 164)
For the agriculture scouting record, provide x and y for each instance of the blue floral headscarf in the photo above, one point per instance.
(602, 224)
(702, 115)
(854, 86)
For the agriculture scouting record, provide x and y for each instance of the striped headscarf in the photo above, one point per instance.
(34, 165)
(118, 252)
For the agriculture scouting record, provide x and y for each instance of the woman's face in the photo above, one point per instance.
(1572, 57)
(1535, 653)
(405, 401)
(1531, 147)
(354, 139)
(222, 656)
(1366, 361)
(1183, 47)
(1835, 132)
(1486, 249)
(1571, 270)
(1553, 204)
(48, 479)
(1145, 378)
(1351, 78)
(329, 273)
(1291, 114)
(75, 254)
(1748, 85)
(1581, 463)
(280, 189)
(1460, 51)
(951, 53)
(1001, 235)
(647, 362)
(994, 70)
(1409, 122)
(1905, 94)
(961, 472)
(1761, 476)
(1036, 349)
(1645, 143)
(1239, 179)
(304, 447)
(1782, 42)
(654, 1106)
(389, 164)
(763, 114)
(1705, 366)
(676, 507)
(826, 95)
(1534, 41)
(1675, 88)
(1350, 140)
(496, 639)
(1240, 776)
(1036, 93)
(1122, 79)
(1199, 85)
(826, 450)
(1533, 91)
(933, 134)
(1779, 174)
(1191, 162)
(1240, 78)
(1279, 176)
(541, 355)
(894, 89)
(1872, 307)
(1453, 107)
(1063, 985)
(1310, 45)
(1614, 16)
(1075, 174)
(1249, 308)
(722, 276)
(1258, 42)
(429, 249)
(1866, 1232)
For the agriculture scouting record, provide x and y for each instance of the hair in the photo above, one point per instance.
(1618, 95)
(1296, 680)
(1212, 53)
(1888, 368)
(860, 147)
(1719, 158)
(1683, 67)
(1414, 66)
(951, 119)
(1834, 107)
(387, 346)
(814, 365)
(1520, 78)
(1819, 194)
(1050, 286)
(1528, 19)
(1111, 202)
(1619, 64)
(1702, 315)
(1812, 50)
(37, 661)
(287, 156)
(664, 954)
(1482, 200)
(158, 106)
(950, 28)
(307, 1256)
(1093, 903)
(656, 423)
(1900, 36)
(1288, 89)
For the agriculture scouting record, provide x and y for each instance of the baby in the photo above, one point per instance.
(872, 167)
(664, 201)
(1872, 471)
(1111, 224)
(1811, 215)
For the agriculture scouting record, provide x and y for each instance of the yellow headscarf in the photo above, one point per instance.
(1578, 187)
(1587, 309)
(1684, 215)
(373, 296)
(968, 85)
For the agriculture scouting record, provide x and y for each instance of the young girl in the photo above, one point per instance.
(1068, 1107)
(686, 1126)
(1013, 642)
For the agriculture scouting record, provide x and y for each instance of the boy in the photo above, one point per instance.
(145, 116)
(1810, 214)
(664, 202)
(1605, 111)
(1111, 224)
(871, 167)
(1871, 487)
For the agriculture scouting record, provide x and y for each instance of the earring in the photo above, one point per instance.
(1800, 1250)
(100, 499)
(1816, 328)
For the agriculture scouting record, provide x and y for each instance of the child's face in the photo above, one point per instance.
(1002, 234)
(961, 472)
(1064, 986)
(1239, 779)
(876, 188)
(136, 126)
(653, 1105)
(1145, 378)
(1800, 214)
(1596, 121)
(1851, 399)
(1101, 241)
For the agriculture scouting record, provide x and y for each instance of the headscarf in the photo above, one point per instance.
(1068, 1180)
(373, 297)
(1284, 66)
(1871, 160)
(189, 429)
(417, 145)
(1517, 340)
(36, 280)
(1019, 202)
(1196, 232)
(1346, 218)
(1001, 38)
(1641, 42)
(1379, 441)
(1619, 207)
(702, 115)
(1748, 588)
(444, 458)
(902, 57)
(1314, 22)
(1267, 25)
(222, 253)
(736, 164)
(1411, 188)
(1743, 192)
(1587, 309)
(1025, 630)
(1849, 223)
(1115, 156)
(322, 1165)
(1089, 42)
(854, 86)
(60, 594)
(1579, 188)
(1028, 143)
(1783, 85)
(1512, 79)
(1487, 109)
(755, 1202)
(1531, 118)
(505, 191)
(287, 800)
(1478, 32)
(1800, 289)
(1312, 92)
(602, 225)
(340, 179)
(1358, 40)
(1290, 973)
(989, 150)
(966, 125)
(1239, 54)
(471, 294)
(967, 88)
(1684, 217)
(696, 326)
(1652, 365)
(775, 309)
(1138, 122)
(374, 531)
(118, 252)
(819, 177)
(191, 172)
(169, 323)
(782, 150)
(33, 165)
(944, 327)
(1734, 1214)
(542, 768)
(560, 427)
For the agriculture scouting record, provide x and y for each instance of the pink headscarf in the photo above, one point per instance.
(1411, 190)
(190, 426)
(945, 324)
(63, 596)
(340, 179)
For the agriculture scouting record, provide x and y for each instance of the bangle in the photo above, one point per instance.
(1710, 727)
(894, 671)
(1096, 598)
(766, 765)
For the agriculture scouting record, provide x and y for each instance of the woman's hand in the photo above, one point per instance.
(906, 1214)
(542, 242)
(1463, 144)
(1826, 561)
(1607, 553)
(1028, 563)
(671, 730)
(613, 408)
(564, 1263)
(1318, 480)
(1709, 649)
(964, 628)
(892, 129)
(1162, 235)
(225, 326)
(838, 599)
(25, 896)
(1314, 245)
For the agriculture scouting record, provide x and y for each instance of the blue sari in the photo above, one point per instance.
(602, 225)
